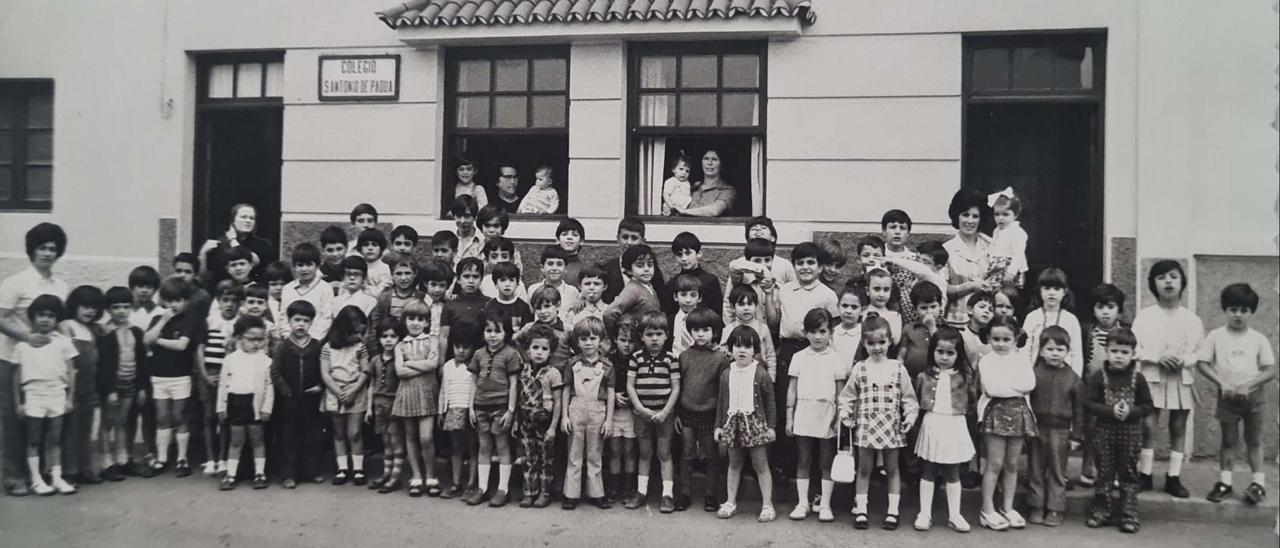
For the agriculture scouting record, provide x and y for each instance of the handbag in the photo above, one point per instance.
(844, 467)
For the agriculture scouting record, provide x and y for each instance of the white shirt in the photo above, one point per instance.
(540, 201)
(1011, 242)
(1037, 320)
(1237, 357)
(1161, 332)
(742, 388)
(455, 386)
(1007, 376)
(17, 292)
(378, 279)
(319, 295)
(816, 373)
(364, 301)
(846, 341)
(681, 339)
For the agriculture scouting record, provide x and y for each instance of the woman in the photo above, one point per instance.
(713, 197)
(969, 250)
(244, 220)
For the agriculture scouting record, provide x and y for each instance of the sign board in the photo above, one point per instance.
(359, 78)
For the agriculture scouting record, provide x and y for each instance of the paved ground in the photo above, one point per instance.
(191, 513)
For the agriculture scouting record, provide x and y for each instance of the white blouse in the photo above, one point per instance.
(742, 389)
(1161, 332)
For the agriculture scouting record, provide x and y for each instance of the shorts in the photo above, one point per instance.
(240, 410)
(646, 429)
(455, 420)
(44, 404)
(126, 388)
(703, 423)
(381, 405)
(624, 424)
(208, 394)
(1234, 410)
(171, 388)
(487, 421)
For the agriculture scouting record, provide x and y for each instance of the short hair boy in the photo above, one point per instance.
(687, 249)
(639, 296)
(630, 233)
(591, 303)
(401, 243)
(174, 342)
(470, 241)
(895, 227)
(307, 286)
(295, 370)
(653, 384)
(700, 367)
(913, 349)
(333, 244)
(688, 296)
(569, 236)
(444, 247)
(144, 281)
(506, 281)
(363, 217)
(554, 259)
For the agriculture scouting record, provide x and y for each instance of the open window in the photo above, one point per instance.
(689, 100)
(507, 107)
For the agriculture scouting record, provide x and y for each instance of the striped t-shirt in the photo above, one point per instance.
(215, 342)
(655, 376)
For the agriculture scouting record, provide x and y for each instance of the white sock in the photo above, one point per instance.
(163, 437)
(668, 487)
(1175, 463)
(827, 487)
(183, 438)
(259, 465)
(802, 491)
(926, 497)
(1260, 478)
(1225, 477)
(642, 485)
(233, 465)
(33, 466)
(483, 476)
(1146, 458)
(504, 476)
(859, 504)
(357, 463)
(893, 504)
(55, 472)
(342, 462)
(953, 499)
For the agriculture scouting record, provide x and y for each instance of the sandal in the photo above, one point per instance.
(993, 521)
(358, 478)
(890, 522)
(341, 477)
(860, 521)
(767, 514)
(433, 488)
(415, 488)
(727, 510)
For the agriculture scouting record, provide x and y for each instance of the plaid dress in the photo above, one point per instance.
(880, 410)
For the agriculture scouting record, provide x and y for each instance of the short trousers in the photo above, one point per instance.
(646, 429)
(1244, 408)
(703, 423)
(44, 404)
(171, 388)
(624, 424)
(381, 405)
(240, 410)
(208, 393)
(487, 421)
(127, 388)
(455, 420)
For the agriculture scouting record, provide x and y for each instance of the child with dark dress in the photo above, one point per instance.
(383, 384)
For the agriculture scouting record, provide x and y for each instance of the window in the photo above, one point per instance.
(1033, 66)
(242, 79)
(705, 103)
(26, 144)
(507, 108)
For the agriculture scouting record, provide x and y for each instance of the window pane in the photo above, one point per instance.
(473, 112)
(658, 109)
(549, 74)
(6, 183)
(6, 111)
(221, 78)
(1032, 68)
(548, 111)
(6, 147)
(512, 75)
(510, 112)
(40, 111)
(698, 110)
(1073, 68)
(275, 79)
(698, 71)
(40, 183)
(249, 80)
(990, 69)
(473, 76)
(739, 110)
(657, 72)
(741, 71)
(40, 146)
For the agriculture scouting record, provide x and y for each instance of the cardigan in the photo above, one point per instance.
(109, 361)
(964, 391)
(257, 366)
(763, 398)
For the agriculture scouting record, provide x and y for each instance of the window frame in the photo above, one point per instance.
(206, 62)
(21, 90)
(636, 132)
(974, 42)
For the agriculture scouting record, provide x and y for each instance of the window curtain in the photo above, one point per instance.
(757, 176)
(653, 156)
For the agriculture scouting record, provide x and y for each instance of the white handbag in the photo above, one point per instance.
(844, 468)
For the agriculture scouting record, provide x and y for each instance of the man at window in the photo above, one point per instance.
(712, 197)
(508, 181)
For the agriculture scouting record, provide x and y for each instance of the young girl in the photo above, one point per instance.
(46, 377)
(676, 191)
(746, 303)
(120, 381)
(622, 437)
(540, 387)
(1008, 253)
(79, 454)
(588, 413)
(245, 399)
(881, 296)
(745, 415)
(847, 337)
(495, 370)
(455, 401)
(947, 393)
(416, 360)
(879, 404)
(1005, 420)
(343, 363)
(1050, 304)
(383, 385)
(1168, 337)
(818, 374)
(1004, 302)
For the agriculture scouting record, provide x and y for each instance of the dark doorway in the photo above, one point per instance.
(239, 162)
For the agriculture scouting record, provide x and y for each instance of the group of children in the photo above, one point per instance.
(785, 363)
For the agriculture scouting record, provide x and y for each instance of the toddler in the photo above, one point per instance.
(539, 414)
(246, 398)
(46, 377)
(542, 199)
(676, 190)
(1118, 397)
(744, 420)
(1008, 253)
(588, 414)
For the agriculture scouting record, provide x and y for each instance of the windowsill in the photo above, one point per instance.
(522, 217)
(678, 220)
(34, 209)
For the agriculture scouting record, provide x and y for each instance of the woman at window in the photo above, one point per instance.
(970, 249)
(240, 232)
(712, 197)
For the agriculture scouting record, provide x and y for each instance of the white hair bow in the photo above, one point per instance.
(1006, 193)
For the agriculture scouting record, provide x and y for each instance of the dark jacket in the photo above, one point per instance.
(1095, 395)
(1056, 399)
(109, 362)
(763, 399)
(913, 348)
(615, 281)
(711, 292)
(383, 308)
(964, 391)
(294, 369)
(1086, 332)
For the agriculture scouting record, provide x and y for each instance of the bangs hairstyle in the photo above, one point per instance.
(1055, 334)
(305, 253)
(835, 253)
(685, 240)
(346, 322)
(651, 321)
(388, 323)
(277, 271)
(1107, 294)
(463, 206)
(571, 225)
(952, 335)
(816, 319)
(806, 250)
(498, 318)
(1053, 277)
(553, 251)
(355, 262)
(238, 253)
(435, 270)
(687, 282)
(468, 264)
(760, 221)
(145, 276)
(256, 291)
(895, 216)
(586, 327)
(364, 209)
(871, 241)
(759, 247)
(743, 336)
(405, 231)
(544, 295)
(1014, 203)
(1122, 336)
(371, 235)
(86, 295)
(506, 271)
(300, 308)
(229, 288)
(743, 294)
(406, 263)
(1007, 323)
(333, 235)
(631, 224)
(245, 323)
(118, 295)
(490, 213)
(703, 318)
(497, 244)
(872, 324)
(935, 252)
(45, 303)
(981, 296)
(592, 271)
(540, 331)
(174, 287)
(924, 292)
(857, 290)
(417, 309)
(445, 238)
(635, 253)
(44, 233)
(1163, 267)
(1010, 293)
(1239, 295)
(466, 335)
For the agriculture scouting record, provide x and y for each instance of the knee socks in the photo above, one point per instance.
(802, 490)
(827, 487)
(163, 437)
(1146, 458)
(483, 468)
(504, 476)
(183, 438)
(926, 497)
(953, 499)
(1175, 463)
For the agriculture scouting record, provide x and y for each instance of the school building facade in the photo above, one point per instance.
(1134, 130)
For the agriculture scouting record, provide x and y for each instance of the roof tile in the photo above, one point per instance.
(450, 13)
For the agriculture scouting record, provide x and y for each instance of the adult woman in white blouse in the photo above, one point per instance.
(969, 250)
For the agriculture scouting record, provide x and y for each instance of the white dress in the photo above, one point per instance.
(815, 375)
(1161, 332)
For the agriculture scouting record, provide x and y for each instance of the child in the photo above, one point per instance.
(363, 217)
(869, 255)
(546, 312)
(499, 250)
(542, 199)
(846, 338)
(494, 222)
(295, 372)
(80, 457)
(144, 282)
(1008, 252)
(590, 302)
(46, 378)
(434, 281)
(895, 228)
(913, 349)
(948, 392)
(553, 264)
(239, 265)
(173, 340)
(383, 386)
(588, 414)
(745, 309)
(307, 286)
(833, 263)
(700, 368)
(495, 370)
(275, 276)
(686, 290)
(1006, 421)
(539, 418)
(879, 403)
(687, 249)
(467, 307)
(403, 240)
(1059, 418)
(333, 244)
(417, 357)
(622, 436)
(444, 247)
(256, 296)
(185, 266)
(928, 263)
(569, 236)
(120, 381)
(653, 384)
(1239, 361)
(343, 363)
(639, 297)
(754, 270)
(881, 294)
(456, 387)
(245, 399)
(210, 355)
(371, 244)
(1169, 339)
(467, 186)
(352, 291)
(1108, 305)
(1118, 397)
(470, 241)
(506, 300)
(981, 309)
(676, 191)
(631, 233)
(818, 373)
(1051, 304)
(404, 291)
(745, 418)
(762, 227)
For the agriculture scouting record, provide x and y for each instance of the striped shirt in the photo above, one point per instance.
(215, 342)
(654, 377)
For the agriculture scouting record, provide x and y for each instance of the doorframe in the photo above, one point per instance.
(1093, 37)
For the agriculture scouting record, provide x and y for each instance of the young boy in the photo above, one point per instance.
(493, 222)
(622, 437)
(144, 281)
(895, 229)
(434, 281)
(687, 249)
(505, 301)
(403, 241)
(868, 254)
(46, 378)
(700, 368)
(981, 309)
(545, 303)
(444, 247)
(276, 275)
(1118, 398)
(639, 296)
(372, 244)
(470, 241)
(540, 388)
(246, 399)
(1059, 415)
(239, 264)
(353, 291)
(495, 371)
(121, 381)
(1108, 305)
(755, 270)
(209, 356)
(309, 287)
(833, 265)
(363, 217)
(174, 340)
(256, 302)
(929, 264)
(688, 294)
(630, 234)
(467, 306)
(591, 299)
(762, 227)
(333, 243)
(186, 266)
(554, 259)
(1239, 361)
(499, 250)
(913, 349)
(295, 372)
(653, 384)
(467, 185)
(569, 236)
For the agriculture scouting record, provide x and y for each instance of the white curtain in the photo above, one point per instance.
(653, 155)
(757, 176)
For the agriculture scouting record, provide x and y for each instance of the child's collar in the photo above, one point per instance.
(303, 342)
(500, 301)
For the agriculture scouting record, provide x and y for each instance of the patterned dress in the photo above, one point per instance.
(417, 396)
(538, 389)
(882, 403)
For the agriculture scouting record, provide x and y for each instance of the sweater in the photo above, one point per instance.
(763, 398)
(710, 292)
(636, 299)
(1056, 400)
(1095, 395)
(700, 369)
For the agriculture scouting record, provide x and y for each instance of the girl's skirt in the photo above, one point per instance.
(416, 397)
(1009, 417)
(944, 439)
(743, 430)
(240, 410)
(330, 403)
(815, 419)
(455, 419)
